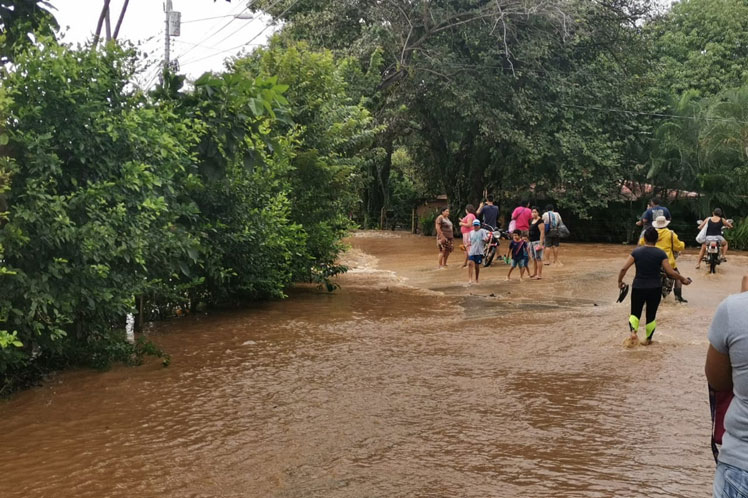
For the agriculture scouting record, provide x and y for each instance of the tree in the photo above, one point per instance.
(332, 134)
(21, 22)
(701, 45)
(495, 94)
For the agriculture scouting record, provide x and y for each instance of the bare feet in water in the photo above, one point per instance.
(631, 341)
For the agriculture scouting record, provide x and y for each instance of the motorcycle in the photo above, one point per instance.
(492, 246)
(713, 255)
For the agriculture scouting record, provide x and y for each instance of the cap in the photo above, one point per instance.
(476, 222)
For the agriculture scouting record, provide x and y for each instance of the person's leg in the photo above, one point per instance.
(724, 249)
(678, 289)
(653, 298)
(534, 266)
(476, 265)
(637, 306)
(539, 256)
(511, 269)
(702, 251)
(470, 271)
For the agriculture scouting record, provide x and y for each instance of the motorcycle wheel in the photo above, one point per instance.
(712, 263)
(489, 257)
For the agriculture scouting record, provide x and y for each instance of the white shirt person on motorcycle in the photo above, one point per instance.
(714, 227)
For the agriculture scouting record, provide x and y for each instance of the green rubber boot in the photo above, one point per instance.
(633, 323)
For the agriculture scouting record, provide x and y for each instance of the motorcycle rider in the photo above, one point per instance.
(714, 227)
(668, 241)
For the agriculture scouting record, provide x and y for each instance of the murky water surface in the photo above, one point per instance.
(404, 383)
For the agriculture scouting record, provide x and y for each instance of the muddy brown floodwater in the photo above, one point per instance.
(403, 383)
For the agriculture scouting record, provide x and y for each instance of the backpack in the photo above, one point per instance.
(552, 226)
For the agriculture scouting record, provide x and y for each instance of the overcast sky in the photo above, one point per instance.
(204, 42)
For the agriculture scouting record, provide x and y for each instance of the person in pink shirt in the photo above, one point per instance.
(466, 226)
(521, 216)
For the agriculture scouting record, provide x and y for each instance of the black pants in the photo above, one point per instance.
(650, 297)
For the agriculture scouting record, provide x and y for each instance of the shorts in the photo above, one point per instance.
(524, 233)
(521, 262)
(554, 241)
(537, 254)
(716, 237)
(447, 246)
(476, 258)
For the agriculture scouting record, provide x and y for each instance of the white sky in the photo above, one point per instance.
(202, 46)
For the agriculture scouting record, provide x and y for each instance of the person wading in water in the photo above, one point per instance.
(444, 237)
(647, 286)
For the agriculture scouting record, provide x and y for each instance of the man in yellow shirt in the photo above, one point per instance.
(669, 242)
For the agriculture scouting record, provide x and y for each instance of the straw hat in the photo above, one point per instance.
(660, 222)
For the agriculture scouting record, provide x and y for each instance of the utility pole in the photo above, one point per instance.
(167, 38)
(173, 27)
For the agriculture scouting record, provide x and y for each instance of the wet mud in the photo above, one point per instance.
(405, 382)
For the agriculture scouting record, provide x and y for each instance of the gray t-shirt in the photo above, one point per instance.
(728, 334)
(477, 242)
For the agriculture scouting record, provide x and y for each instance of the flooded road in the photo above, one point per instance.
(403, 383)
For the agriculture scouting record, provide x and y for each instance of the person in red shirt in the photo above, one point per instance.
(521, 216)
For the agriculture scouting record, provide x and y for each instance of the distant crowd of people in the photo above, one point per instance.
(531, 233)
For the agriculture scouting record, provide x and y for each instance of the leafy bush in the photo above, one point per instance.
(738, 236)
(428, 222)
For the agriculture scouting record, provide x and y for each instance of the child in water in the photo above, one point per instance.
(518, 252)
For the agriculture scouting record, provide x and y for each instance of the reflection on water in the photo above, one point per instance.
(404, 383)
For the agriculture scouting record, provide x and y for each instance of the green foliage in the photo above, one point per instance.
(428, 222)
(704, 148)
(21, 22)
(332, 132)
(494, 95)
(701, 45)
(738, 236)
(96, 208)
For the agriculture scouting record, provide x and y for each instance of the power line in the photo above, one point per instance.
(248, 43)
(233, 18)
(208, 18)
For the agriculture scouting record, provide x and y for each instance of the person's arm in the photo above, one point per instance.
(480, 209)
(718, 370)
(623, 271)
(514, 214)
(678, 245)
(727, 223)
(542, 234)
(703, 223)
(674, 274)
(745, 284)
(647, 217)
(439, 234)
